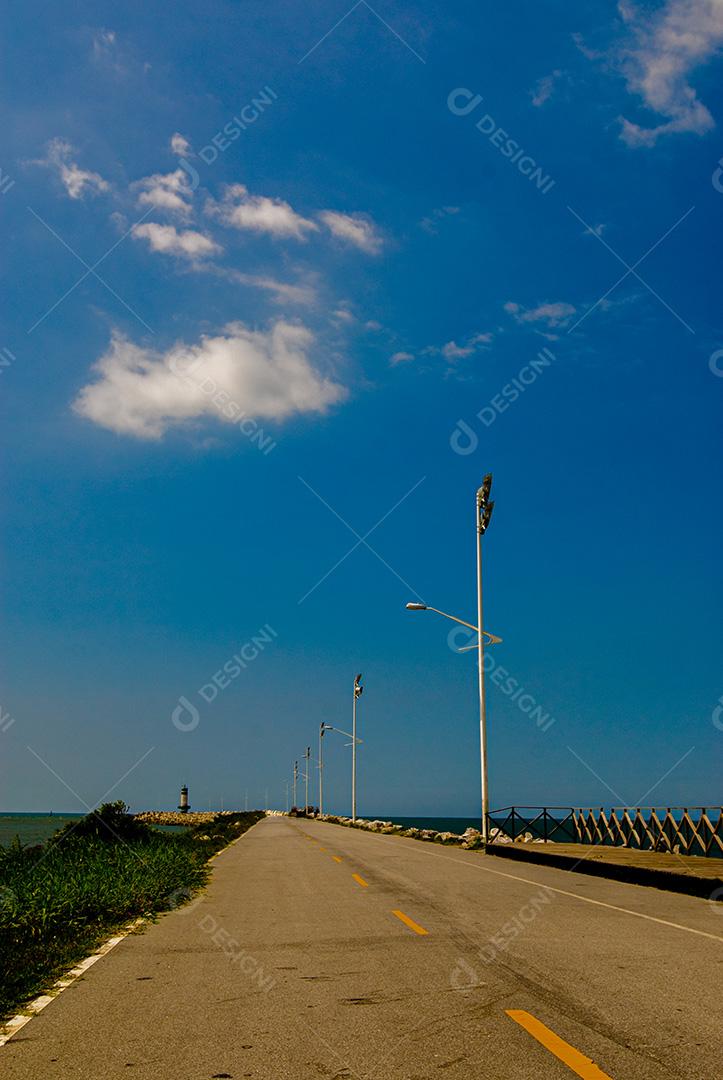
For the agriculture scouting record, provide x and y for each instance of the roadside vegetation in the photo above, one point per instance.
(61, 899)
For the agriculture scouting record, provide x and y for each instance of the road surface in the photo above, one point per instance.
(324, 952)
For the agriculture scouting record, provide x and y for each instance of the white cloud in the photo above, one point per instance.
(453, 351)
(668, 44)
(180, 145)
(76, 181)
(104, 47)
(544, 88)
(240, 373)
(431, 222)
(353, 229)
(550, 315)
(257, 213)
(187, 243)
(400, 358)
(282, 292)
(166, 191)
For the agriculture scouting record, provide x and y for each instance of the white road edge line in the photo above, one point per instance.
(12, 1027)
(552, 888)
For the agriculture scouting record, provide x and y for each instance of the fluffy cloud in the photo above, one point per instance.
(353, 229)
(180, 145)
(400, 358)
(668, 44)
(544, 88)
(76, 181)
(260, 214)
(238, 374)
(188, 244)
(550, 315)
(166, 191)
(453, 351)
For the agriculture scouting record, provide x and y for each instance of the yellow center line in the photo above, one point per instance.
(581, 1065)
(410, 923)
(321, 848)
(360, 881)
(336, 858)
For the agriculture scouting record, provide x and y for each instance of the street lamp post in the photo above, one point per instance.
(358, 691)
(484, 512)
(484, 506)
(339, 731)
(307, 755)
(322, 728)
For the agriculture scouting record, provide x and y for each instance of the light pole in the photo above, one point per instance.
(484, 506)
(296, 777)
(339, 731)
(307, 755)
(358, 691)
(322, 728)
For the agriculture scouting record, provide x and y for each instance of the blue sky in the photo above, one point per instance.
(267, 273)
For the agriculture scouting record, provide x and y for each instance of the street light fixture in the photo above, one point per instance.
(484, 507)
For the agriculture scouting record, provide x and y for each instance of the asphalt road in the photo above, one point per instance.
(324, 952)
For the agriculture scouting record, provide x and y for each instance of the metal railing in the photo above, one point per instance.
(696, 830)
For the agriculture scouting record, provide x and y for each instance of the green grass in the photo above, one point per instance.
(60, 900)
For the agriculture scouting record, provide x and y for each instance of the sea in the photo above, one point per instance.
(37, 828)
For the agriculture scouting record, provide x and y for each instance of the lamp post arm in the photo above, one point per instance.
(492, 638)
(454, 618)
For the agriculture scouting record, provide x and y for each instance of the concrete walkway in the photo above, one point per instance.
(325, 952)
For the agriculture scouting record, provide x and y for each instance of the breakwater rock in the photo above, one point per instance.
(175, 817)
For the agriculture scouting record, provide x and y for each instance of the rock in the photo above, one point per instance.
(448, 838)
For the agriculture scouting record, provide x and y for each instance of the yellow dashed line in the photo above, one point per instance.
(360, 881)
(336, 858)
(577, 1062)
(410, 923)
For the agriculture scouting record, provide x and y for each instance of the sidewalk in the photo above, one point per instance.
(689, 874)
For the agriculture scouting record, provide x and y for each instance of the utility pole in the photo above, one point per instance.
(483, 514)
(358, 691)
(322, 728)
(307, 757)
(296, 777)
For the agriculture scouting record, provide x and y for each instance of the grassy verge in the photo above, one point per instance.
(61, 899)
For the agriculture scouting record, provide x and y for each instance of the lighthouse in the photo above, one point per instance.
(183, 804)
